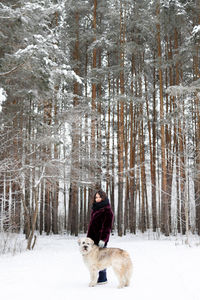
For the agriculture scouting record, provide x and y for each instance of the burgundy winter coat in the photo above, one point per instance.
(100, 224)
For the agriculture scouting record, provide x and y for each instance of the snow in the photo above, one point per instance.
(163, 269)
(196, 29)
(3, 96)
(29, 49)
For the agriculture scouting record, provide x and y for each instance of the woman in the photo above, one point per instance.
(100, 225)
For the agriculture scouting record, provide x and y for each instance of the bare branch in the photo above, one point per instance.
(11, 71)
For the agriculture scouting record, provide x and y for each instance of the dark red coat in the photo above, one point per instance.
(100, 224)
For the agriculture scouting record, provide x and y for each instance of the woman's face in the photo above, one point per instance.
(98, 198)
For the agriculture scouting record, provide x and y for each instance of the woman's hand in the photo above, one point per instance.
(101, 244)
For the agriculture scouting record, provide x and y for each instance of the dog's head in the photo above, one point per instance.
(85, 245)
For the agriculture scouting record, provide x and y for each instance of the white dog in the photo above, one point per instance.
(97, 259)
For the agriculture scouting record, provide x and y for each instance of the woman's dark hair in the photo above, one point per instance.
(101, 193)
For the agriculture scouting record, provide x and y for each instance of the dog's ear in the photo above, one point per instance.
(79, 241)
(92, 242)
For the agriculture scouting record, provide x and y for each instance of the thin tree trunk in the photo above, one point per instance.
(34, 219)
(133, 130)
(94, 96)
(121, 129)
(47, 209)
(197, 165)
(42, 208)
(127, 195)
(164, 207)
(75, 140)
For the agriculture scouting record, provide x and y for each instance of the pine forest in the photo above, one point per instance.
(99, 94)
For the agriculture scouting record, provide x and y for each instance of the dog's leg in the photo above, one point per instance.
(93, 277)
(118, 273)
(126, 280)
(128, 273)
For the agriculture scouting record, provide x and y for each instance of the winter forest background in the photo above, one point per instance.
(97, 93)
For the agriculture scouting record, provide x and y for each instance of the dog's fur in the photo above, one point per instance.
(97, 259)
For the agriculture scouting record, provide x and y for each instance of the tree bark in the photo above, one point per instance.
(164, 199)
(121, 129)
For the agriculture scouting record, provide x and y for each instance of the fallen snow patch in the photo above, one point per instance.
(163, 269)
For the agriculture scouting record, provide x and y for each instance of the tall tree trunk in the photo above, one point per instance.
(99, 130)
(41, 209)
(197, 165)
(34, 218)
(121, 129)
(48, 185)
(94, 96)
(197, 133)
(75, 139)
(127, 194)
(112, 185)
(47, 209)
(108, 135)
(133, 130)
(152, 147)
(164, 199)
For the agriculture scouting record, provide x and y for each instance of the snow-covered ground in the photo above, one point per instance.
(163, 269)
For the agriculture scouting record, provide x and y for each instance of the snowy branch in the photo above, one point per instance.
(11, 71)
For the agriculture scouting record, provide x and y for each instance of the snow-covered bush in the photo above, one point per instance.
(11, 243)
